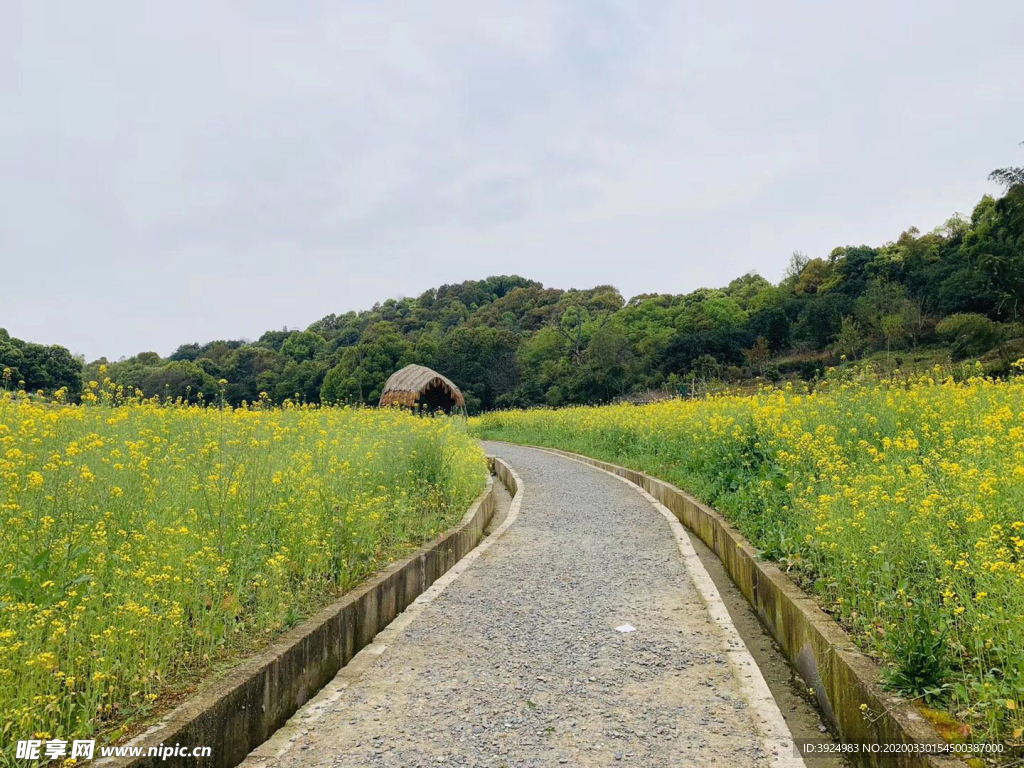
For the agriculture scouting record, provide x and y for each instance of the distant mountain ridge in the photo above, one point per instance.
(954, 293)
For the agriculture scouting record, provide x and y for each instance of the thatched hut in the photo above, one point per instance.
(416, 386)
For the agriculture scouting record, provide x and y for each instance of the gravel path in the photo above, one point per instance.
(518, 662)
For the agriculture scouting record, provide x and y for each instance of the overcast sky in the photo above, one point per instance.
(177, 172)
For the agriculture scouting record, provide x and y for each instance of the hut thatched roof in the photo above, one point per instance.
(405, 387)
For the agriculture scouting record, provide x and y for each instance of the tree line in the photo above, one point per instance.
(508, 341)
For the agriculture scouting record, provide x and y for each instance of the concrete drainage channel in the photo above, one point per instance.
(236, 714)
(841, 678)
(805, 719)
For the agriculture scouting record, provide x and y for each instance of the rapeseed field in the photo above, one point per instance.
(143, 543)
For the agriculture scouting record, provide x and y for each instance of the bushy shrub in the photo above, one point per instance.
(969, 334)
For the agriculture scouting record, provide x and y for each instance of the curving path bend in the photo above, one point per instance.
(518, 661)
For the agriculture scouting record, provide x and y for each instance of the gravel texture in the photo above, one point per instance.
(518, 662)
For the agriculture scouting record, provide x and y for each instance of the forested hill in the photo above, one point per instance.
(954, 293)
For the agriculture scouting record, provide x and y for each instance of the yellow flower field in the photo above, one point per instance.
(899, 503)
(140, 543)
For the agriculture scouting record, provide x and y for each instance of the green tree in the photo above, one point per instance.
(482, 362)
(1009, 177)
(300, 380)
(360, 375)
(48, 368)
(814, 274)
(995, 245)
(894, 331)
(608, 370)
(881, 299)
(849, 341)
(179, 378)
(303, 345)
(758, 355)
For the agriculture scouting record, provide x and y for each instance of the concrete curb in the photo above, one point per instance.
(236, 714)
(841, 676)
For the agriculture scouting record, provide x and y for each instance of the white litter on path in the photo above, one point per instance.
(626, 628)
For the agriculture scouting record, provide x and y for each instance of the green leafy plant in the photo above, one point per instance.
(921, 659)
